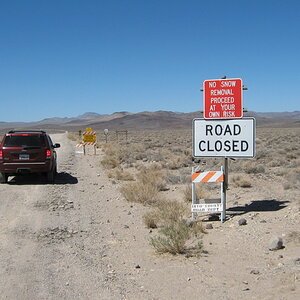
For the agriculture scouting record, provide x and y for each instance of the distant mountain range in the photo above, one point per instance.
(146, 120)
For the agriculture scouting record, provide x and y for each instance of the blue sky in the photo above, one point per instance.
(66, 57)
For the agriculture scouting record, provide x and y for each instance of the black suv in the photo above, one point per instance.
(23, 152)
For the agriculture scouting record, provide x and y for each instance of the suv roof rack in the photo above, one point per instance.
(19, 131)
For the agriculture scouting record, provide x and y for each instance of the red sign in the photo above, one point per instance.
(223, 99)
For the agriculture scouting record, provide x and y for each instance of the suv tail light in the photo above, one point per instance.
(1, 154)
(48, 153)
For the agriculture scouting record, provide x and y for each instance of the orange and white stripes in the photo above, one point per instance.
(86, 143)
(89, 132)
(209, 176)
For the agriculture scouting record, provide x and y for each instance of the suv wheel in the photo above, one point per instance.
(51, 175)
(3, 178)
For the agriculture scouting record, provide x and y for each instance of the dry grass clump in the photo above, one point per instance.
(165, 212)
(112, 158)
(153, 177)
(73, 136)
(176, 162)
(138, 192)
(292, 179)
(201, 192)
(151, 219)
(253, 168)
(174, 231)
(241, 181)
(173, 238)
(170, 211)
(120, 174)
(110, 162)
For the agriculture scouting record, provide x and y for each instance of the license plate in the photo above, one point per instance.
(24, 156)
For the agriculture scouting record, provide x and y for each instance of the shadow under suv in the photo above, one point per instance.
(23, 152)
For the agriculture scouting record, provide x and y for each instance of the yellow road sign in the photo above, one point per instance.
(89, 138)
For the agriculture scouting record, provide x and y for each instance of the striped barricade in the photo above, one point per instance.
(85, 144)
(209, 176)
(216, 205)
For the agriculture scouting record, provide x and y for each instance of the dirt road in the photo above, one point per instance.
(79, 239)
(53, 237)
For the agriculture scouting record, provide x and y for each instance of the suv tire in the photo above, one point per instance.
(51, 175)
(3, 178)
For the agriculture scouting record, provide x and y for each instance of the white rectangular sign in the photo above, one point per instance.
(207, 207)
(224, 138)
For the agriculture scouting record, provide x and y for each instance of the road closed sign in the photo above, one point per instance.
(223, 99)
(224, 138)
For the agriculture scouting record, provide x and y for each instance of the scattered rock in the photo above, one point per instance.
(188, 279)
(254, 272)
(242, 222)
(137, 266)
(126, 226)
(276, 243)
(263, 221)
(209, 226)
(213, 218)
(164, 189)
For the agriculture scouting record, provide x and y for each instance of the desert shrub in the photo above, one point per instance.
(292, 179)
(175, 162)
(262, 153)
(153, 177)
(170, 211)
(172, 178)
(73, 136)
(165, 212)
(291, 155)
(241, 181)
(138, 192)
(151, 219)
(281, 171)
(253, 168)
(277, 162)
(201, 192)
(173, 239)
(120, 174)
(110, 162)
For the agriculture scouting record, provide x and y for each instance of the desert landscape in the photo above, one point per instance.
(117, 225)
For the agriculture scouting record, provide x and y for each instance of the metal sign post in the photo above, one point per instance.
(223, 196)
(106, 134)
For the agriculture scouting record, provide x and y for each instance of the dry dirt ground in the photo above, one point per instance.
(80, 239)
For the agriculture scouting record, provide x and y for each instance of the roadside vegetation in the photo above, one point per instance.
(159, 163)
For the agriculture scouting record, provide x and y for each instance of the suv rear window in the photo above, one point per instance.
(24, 141)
